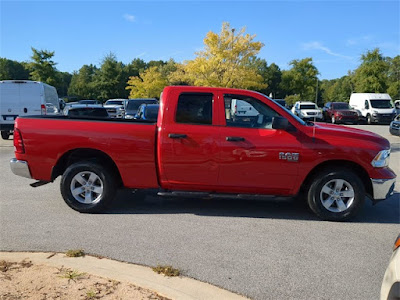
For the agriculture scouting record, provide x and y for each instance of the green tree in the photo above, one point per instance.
(371, 76)
(43, 67)
(110, 79)
(82, 83)
(225, 61)
(301, 79)
(394, 77)
(337, 90)
(11, 69)
(148, 84)
(272, 77)
(63, 82)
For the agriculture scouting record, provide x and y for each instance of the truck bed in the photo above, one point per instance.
(129, 143)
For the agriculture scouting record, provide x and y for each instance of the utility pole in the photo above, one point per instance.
(316, 94)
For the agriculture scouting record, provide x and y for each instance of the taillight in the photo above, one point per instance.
(43, 109)
(18, 142)
(397, 243)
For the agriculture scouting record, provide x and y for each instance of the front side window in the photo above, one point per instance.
(243, 111)
(194, 108)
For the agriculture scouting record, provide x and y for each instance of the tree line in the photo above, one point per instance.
(229, 59)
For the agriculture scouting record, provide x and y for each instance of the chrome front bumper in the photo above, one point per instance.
(20, 168)
(382, 188)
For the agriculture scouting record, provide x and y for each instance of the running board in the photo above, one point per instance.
(218, 196)
(39, 183)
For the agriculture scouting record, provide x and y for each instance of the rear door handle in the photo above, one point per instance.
(177, 136)
(234, 139)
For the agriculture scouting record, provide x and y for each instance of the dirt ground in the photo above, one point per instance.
(24, 280)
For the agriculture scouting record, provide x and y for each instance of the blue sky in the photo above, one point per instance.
(333, 33)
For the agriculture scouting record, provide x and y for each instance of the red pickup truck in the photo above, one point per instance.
(199, 147)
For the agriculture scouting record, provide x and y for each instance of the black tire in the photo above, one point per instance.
(5, 135)
(103, 180)
(317, 196)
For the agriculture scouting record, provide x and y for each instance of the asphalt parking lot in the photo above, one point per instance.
(261, 249)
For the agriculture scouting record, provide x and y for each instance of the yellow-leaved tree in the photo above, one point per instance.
(148, 84)
(226, 61)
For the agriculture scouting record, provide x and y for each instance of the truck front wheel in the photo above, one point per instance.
(87, 187)
(336, 195)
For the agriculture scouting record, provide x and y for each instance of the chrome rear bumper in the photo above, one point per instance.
(382, 188)
(20, 168)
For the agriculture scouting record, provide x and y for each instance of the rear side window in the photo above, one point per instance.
(194, 108)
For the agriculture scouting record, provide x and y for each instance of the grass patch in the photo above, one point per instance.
(90, 295)
(72, 275)
(75, 253)
(166, 270)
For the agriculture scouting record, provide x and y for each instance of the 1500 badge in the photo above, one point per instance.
(289, 156)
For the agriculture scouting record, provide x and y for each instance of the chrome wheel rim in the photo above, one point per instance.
(86, 187)
(333, 119)
(337, 195)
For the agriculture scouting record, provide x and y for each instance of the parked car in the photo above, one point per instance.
(91, 111)
(390, 289)
(307, 110)
(115, 107)
(132, 106)
(397, 107)
(148, 112)
(91, 102)
(394, 127)
(196, 149)
(25, 97)
(374, 107)
(339, 112)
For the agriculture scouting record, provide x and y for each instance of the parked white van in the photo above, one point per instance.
(25, 97)
(373, 107)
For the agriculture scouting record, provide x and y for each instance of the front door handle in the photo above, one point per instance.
(177, 136)
(234, 139)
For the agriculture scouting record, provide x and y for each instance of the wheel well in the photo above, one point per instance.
(335, 164)
(83, 154)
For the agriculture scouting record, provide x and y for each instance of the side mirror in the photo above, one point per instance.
(280, 123)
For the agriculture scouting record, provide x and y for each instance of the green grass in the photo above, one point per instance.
(166, 270)
(75, 253)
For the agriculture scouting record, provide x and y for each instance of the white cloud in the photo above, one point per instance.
(319, 46)
(141, 54)
(358, 40)
(129, 18)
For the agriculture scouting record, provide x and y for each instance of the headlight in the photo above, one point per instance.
(381, 159)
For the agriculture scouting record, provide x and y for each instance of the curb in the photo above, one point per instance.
(177, 288)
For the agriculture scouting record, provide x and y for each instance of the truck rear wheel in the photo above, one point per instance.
(5, 135)
(87, 187)
(336, 195)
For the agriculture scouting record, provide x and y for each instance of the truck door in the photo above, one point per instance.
(188, 152)
(254, 157)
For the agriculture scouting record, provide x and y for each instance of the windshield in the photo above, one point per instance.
(340, 106)
(308, 106)
(385, 103)
(88, 102)
(115, 102)
(134, 104)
